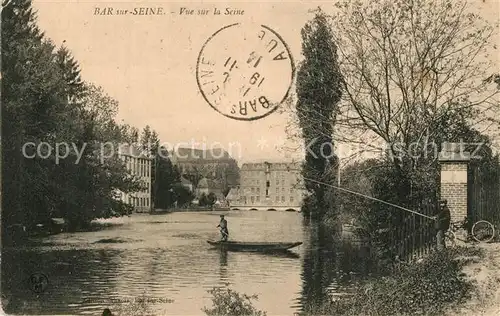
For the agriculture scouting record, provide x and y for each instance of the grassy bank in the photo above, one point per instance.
(426, 287)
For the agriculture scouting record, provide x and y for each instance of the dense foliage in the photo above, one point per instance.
(318, 91)
(44, 99)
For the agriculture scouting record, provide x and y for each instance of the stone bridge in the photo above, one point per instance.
(279, 208)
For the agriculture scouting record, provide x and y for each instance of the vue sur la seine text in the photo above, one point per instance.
(161, 11)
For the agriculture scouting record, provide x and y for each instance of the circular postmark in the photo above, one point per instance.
(245, 72)
(38, 282)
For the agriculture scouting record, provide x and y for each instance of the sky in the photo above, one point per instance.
(148, 64)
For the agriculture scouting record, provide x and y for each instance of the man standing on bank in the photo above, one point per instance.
(223, 228)
(442, 223)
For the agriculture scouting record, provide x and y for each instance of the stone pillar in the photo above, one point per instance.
(454, 163)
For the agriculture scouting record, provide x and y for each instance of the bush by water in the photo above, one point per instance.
(226, 302)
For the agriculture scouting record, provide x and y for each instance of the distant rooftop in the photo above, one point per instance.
(194, 154)
(272, 166)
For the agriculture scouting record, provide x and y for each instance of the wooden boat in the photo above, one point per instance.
(254, 246)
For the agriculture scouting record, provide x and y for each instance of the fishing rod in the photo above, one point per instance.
(369, 197)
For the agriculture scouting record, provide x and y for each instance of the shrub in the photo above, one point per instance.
(226, 302)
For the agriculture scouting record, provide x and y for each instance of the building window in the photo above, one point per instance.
(257, 199)
(277, 198)
(291, 190)
(277, 181)
(252, 199)
(282, 190)
(291, 198)
(258, 190)
(283, 199)
(277, 190)
(252, 190)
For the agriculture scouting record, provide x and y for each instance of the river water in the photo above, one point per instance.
(166, 260)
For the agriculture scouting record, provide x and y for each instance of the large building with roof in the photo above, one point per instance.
(268, 186)
(139, 164)
(211, 163)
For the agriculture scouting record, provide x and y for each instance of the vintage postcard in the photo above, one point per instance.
(250, 158)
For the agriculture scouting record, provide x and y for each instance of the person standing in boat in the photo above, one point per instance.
(223, 228)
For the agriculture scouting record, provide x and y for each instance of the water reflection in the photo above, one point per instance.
(330, 266)
(223, 274)
(72, 280)
(167, 257)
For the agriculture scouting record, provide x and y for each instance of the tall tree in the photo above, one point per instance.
(31, 87)
(412, 64)
(319, 83)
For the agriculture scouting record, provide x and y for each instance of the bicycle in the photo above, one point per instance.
(481, 231)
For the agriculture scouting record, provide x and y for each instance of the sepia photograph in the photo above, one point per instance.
(250, 158)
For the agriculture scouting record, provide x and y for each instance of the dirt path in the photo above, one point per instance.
(486, 273)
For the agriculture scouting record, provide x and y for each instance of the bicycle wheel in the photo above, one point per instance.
(450, 239)
(483, 231)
